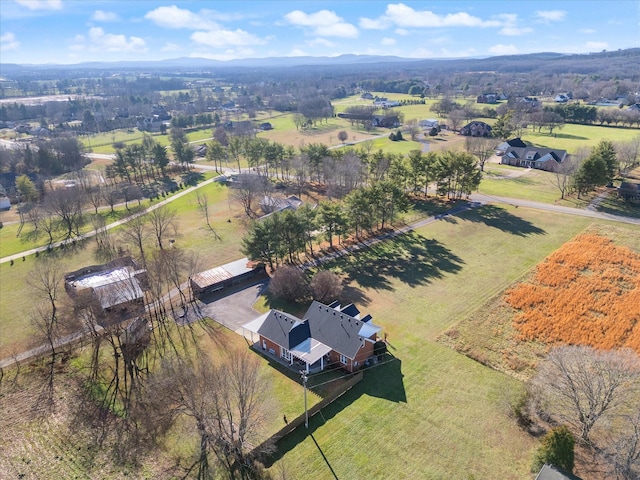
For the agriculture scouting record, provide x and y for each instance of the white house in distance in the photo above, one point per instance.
(429, 123)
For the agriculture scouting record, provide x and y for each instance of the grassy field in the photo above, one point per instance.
(431, 413)
(574, 137)
(16, 331)
(489, 335)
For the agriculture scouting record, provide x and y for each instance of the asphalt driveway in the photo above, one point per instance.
(235, 309)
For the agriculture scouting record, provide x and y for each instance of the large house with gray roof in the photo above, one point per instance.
(518, 154)
(327, 336)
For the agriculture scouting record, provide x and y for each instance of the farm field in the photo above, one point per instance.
(435, 414)
(491, 336)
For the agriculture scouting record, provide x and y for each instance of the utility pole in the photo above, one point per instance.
(306, 412)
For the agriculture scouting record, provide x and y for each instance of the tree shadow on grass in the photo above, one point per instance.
(498, 217)
(410, 258)
(384, 380)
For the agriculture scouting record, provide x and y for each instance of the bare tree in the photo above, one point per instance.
(622, 450)
(289, 283)
(66, 203)
(247, 190)
(163, 224)
(326, 286)
(106, 250)
(203, 205)
(581, 386)
(45, 279)
(95, 197)
(111, 195)
(455, 119)
(482, 148)
(564, 174)
(136, 232)
(226, 404)
(413, 129)
(628, 154)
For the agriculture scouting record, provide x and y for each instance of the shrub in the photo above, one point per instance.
(556, 449)
(289, 283)
(326, 286)
(379, 348)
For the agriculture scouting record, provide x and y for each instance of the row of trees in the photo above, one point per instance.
(284, 236)
(588, 169)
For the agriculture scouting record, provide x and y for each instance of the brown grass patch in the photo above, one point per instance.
(586, 293)
(493, 334)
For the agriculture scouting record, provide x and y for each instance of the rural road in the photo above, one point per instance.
(479, 197)
(92, 233)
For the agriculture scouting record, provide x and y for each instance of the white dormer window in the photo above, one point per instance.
(531, 155)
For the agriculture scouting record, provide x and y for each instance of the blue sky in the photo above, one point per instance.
(73, 31)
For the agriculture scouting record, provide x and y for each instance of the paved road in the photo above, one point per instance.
(92, 233)
(479, 197)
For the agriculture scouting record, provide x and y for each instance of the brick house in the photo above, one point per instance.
(329, 335)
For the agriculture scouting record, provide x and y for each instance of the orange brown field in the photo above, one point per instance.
(587, 292)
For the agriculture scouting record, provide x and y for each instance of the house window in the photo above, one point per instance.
(344, 360)
(286, 354)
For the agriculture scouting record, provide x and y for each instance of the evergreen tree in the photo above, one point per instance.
(556, 449)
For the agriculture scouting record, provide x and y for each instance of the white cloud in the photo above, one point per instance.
(501, 49)
(387, 41)
(224, 38)
(514, 31)
(102, 16)
(401, 15)
(41, 4)
(99, 41)
(548, 16)
(374, 24)
(174, 17)
(593, 46)
(587, 31)
(320, 42)
(170, 47)
(510, 26)
(402, 32)
(324, 23)
(8, 42)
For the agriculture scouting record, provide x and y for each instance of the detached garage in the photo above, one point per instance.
(224, 277)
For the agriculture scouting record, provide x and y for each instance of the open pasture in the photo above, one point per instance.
(431, 413)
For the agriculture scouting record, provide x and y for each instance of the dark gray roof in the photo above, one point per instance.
(327, 325)
(350, 310)
(516, 142)
(551, 472)
(335, 329)
(535, 153)
(277, 326)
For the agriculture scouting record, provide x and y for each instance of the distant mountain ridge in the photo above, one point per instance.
(578, 63)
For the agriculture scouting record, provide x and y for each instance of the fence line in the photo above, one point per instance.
(299, 420)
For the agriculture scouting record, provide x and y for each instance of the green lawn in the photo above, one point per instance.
(574, 137)
(432, 413)
(527, 184)
(194, 237)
